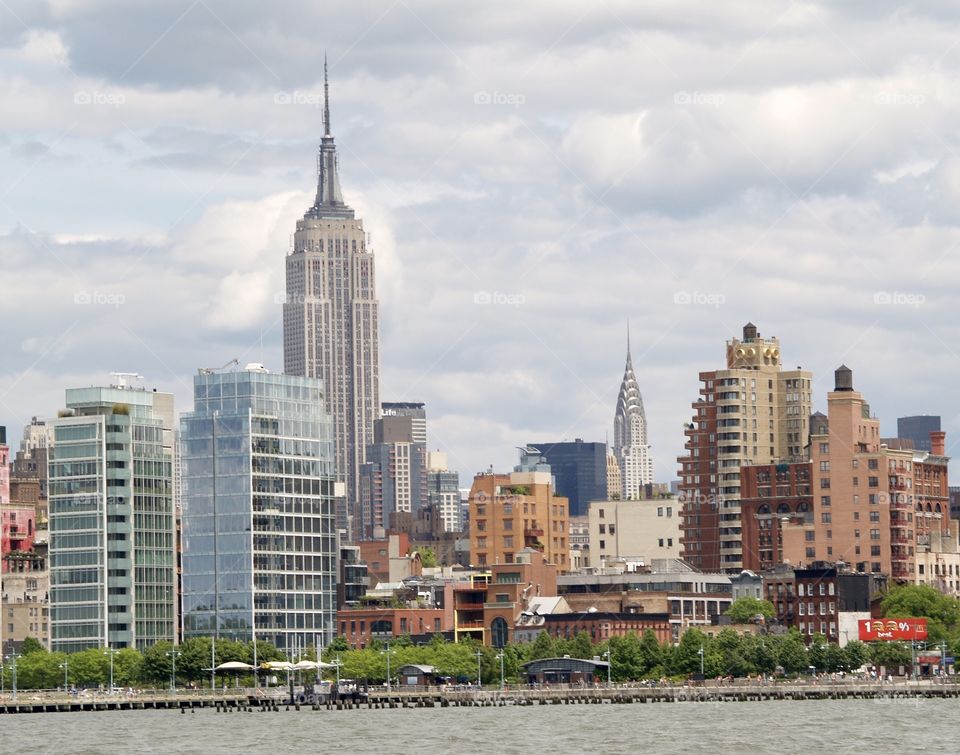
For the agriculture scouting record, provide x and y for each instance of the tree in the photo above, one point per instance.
(745, 610)
(543, 647)
(791, 653)
(923, 601)
(858, 653)
(32, 645)
(890, 655)
(157, 664)
(428, 557)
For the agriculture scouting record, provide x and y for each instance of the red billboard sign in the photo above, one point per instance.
(872, 630)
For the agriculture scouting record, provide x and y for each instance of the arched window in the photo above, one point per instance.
(783, 508)
(498, 632)
(764, 509)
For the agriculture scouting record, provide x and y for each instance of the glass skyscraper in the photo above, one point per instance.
(112, 552)
(259, 539)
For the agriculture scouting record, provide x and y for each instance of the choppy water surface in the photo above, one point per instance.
(804, 726)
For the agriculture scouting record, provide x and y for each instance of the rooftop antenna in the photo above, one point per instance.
(326, 98)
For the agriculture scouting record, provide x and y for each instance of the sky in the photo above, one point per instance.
(533, 176)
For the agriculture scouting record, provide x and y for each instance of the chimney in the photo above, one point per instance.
(938, 443)
(843, 378)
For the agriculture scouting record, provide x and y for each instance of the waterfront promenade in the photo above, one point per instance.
(277, 699)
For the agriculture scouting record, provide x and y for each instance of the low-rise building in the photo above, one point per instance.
(644, 529)
(360, 625)
(690, 598)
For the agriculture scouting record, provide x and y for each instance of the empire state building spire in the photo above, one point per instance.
(329, 201)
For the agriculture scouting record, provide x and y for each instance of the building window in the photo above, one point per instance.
(825, 500)
(498, 632)
(824, 448)
(824, 466)
(603, 529)
(811, 552)
(601, 513)
(825, 517)
(824, 483)
(873, 482)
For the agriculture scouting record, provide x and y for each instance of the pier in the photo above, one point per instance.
(440, 697)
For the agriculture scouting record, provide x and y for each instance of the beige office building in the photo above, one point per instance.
(640, 530)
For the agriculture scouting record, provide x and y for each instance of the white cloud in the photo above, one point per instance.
(796, 160)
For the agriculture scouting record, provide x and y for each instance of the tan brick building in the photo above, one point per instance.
(751, 412)
(510, 512)
(871, 505)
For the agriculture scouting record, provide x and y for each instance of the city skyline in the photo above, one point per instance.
(154, 194)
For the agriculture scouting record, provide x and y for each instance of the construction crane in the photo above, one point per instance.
(122, 376)
(210, 370)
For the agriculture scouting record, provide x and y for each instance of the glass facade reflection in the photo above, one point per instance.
(259, 537)
(112, 554)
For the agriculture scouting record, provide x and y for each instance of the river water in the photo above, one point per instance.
(876, 726)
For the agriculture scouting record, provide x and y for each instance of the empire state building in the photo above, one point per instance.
(331, 326)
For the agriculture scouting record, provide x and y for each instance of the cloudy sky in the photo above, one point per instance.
(534, 175)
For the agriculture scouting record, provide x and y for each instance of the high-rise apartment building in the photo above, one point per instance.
(751, 412)
(511, 512)
(394, 477)
(630, 444)
(917, 429)
(112, 552)
(259, 536)
(579, 471)
(443, 492)
(872, 506)
(331, 327)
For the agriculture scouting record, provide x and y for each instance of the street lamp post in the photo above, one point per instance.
(479, 656)
(609, 670)
(110, 652)
(500, 656)
(66, 684)
(387, 652)
(13, 657)
(700, 653)
(338, 672)
(173, 672)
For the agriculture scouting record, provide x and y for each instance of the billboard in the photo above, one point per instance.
(872, 630)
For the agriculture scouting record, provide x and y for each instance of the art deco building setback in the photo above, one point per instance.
(112, 553)
(259, 537)
(751, 412)
(331, 327)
